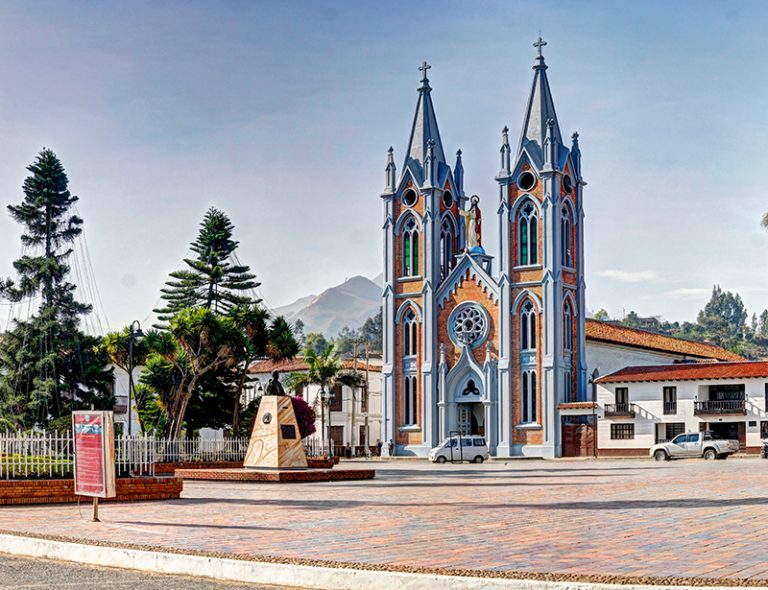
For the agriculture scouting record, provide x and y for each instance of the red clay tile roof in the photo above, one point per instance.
(298, 364)
(606, 332)
(575, 405)
(689, 372)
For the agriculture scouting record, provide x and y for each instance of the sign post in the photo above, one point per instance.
(94, 456)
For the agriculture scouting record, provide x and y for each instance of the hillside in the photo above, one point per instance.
(347, 304)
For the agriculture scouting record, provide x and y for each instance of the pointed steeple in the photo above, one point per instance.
(424, 132)
(540, 109)
(391, 170)
(458, 174)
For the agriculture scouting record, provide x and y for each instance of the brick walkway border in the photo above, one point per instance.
(319, 575)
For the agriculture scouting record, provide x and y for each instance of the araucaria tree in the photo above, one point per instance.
(48, 367)
(213, 279)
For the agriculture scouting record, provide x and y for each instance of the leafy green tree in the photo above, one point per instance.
(324, 369)
(723, 318)
(344, 343)
(602, 315)
(214, 279)
(48, 366)
(316, 342)
(372, 332)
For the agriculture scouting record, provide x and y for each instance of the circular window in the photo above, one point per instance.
(526, 181)
(469, 325)
(447, 199)
(567, 184)
(409, 198)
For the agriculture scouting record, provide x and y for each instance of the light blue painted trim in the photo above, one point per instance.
(522, 296)
(401, 311)
(460, 307)
(404, 217)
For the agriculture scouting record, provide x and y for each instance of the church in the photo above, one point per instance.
(477, 344)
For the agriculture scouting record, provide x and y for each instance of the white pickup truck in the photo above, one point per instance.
(694, 444)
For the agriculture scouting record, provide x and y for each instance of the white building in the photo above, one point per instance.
(642, 405)
(355, 416)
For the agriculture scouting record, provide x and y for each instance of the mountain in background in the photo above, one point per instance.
(347, 304)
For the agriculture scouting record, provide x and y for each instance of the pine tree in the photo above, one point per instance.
(48, 367)
(214, 279)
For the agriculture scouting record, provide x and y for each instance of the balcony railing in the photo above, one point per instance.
(736, 406)
(670, 408)
(623, 410)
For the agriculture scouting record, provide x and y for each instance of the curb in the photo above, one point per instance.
(278, 574)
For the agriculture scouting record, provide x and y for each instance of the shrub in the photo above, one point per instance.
(305, 416)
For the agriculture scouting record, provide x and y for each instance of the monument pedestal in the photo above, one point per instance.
(275, 440)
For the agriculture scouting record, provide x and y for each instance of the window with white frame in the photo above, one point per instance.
(409, 334)
(410, 248)
(528, 326)
(528, 233)
(567, 326)
(528, 397)
(566, 224)
(409, 401)
(446, 247)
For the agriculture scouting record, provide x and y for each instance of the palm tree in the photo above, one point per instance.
(326, 370)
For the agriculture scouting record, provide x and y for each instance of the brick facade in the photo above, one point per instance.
(61, 491)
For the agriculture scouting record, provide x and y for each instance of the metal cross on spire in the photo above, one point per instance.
(423, 69)
(539, 44)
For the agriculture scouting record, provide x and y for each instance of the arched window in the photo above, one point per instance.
(410, 248)
(446, 247)
(566, 223)
(528, 397)
(567, 326)
(409, 401)
(528, 326)
(409, 334)
(528, 232)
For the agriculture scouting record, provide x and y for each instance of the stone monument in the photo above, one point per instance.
(275, 440)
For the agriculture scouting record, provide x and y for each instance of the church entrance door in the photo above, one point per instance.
(471, 419)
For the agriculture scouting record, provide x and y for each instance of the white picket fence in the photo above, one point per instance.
(51, 454)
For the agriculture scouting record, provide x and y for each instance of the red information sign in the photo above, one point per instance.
(94, 454)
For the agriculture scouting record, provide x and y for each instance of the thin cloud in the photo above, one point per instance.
(626, 276)
(688, 292)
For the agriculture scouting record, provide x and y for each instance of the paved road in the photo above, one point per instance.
(41, 574)
(631, 518)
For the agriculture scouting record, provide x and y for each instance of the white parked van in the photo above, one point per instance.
(461, 448)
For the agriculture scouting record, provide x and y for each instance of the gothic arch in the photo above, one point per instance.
(404, 216)
(404, 306)
(522, 296)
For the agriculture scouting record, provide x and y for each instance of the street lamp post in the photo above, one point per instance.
(132, 333)
(593, 382)
(325, 398)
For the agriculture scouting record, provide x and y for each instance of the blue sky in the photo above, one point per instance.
(280, 113)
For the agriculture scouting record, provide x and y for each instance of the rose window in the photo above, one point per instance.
(469, 325)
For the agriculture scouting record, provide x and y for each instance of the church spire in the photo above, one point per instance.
(540, 110)
(424, 133)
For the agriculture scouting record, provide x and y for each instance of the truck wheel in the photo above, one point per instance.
(661, 455)
(440, 460)
(478, 459)
(710, 455)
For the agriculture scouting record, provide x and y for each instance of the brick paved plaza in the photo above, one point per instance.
(633, 517)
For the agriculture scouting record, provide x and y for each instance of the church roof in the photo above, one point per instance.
(541, 108)
(689, 372)
(424, 131)
(615, 334)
